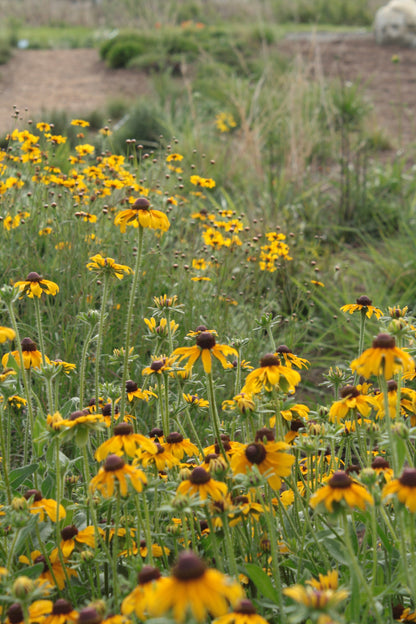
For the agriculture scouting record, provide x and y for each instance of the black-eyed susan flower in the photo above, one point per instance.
(44, 506)
(316, 599)
(195, 400)
(382, 468)
(71, 536)
(94, 614)
(159, 365)
(383, 358)
(351, 398)
(159, 456)
(116, 472)
(269, 457)
(6, 333)
(141, 598)
(290, 359)
(243, 613)
(341, 488)
(133, 391)
(52, 572)
(32, 358)
(214, 462)
(194, 588)
(201, 484)
(271, 374)
(404, 488)
(37, 612)
(124, 441)
(229, 446)
(244, 507)
(363, 304)
(205, 347)
(62, 612)
(161, 329)
(108, 266)
(402, 614)
(179, 446)
(157, 551)
(243, 402)
(407, 401)
(141, 214)
(34, 285)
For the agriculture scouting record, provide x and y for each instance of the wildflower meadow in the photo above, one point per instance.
(207, 412)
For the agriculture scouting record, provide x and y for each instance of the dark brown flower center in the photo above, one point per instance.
(392, 385)
(188, 567)
(131, 386)
(364, 301)
(61, 606)
(89, 615)
(174, 438)
(160, 449)
(264, 433)
(295, 425)
(205, 340)
(123, 429)
(33, 277)
(408, 477)
(384, 341)
(199, 476)
(156, 432)
(211, 456)
(69, 532)
(28, 345)
(241, 500)
(201, 328)
(37, 496)
(147, 574)
(113, 462)
(15, 613)
(270, 359)
(245, 606)
(340, 480)
(157, 365)
(283, 349)
(41, 559)
(380, 462)
(255, 453)
(78, 414)
(349, 391)
(142, 203)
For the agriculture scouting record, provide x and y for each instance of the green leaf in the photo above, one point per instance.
(262, 582)
(19, 475)
(333, 547)
(34, 571)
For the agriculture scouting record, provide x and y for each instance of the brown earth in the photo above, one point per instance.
(79, 82)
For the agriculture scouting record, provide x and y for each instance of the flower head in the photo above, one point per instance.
(32, 358)
(201, 484)
(404, 487)
(108, 266)
(196, 589)
(341, 488)
(384, 358)
(363, 304)
(6, 333)
(116, 471)
(351, 398)
(34, 285)
(271, 374)
(44, 506)
(142, 214)
(205, 347)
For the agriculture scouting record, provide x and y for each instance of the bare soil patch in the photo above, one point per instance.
(389, 86)
(77, 81)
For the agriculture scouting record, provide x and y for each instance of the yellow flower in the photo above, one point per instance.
(157, 455)
(115, 470)
(203, 182)
(201, 484)
(271, 374)
(205, 347)
(270, 458)
(141, 598)
(142, 214)
(42, 506)
(124, 441)
(243, 613)
(194, 399)
(6, 333)
(384, 358)
(404, 488)
(108, 265)
(178, 446)
(34, 285)
(363, 304)
(351, 398)
(31, 356)
(162, 328)
(72, 535)
(341, 488)
(86, 216)
(315, 599)
(159, 365)
(174, 157)
(133, 391)
(196, 589)
(62, 612)
(80, 122)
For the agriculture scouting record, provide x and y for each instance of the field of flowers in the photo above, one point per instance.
(156, 460)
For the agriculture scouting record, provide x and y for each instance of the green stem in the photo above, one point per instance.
(147, 531)
(83, 367)
(4, 462)
(100, 337)
(392, 445)
(129, 319)
(214, 416)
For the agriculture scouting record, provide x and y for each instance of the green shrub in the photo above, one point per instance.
(146, 123)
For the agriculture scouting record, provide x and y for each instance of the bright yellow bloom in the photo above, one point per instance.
(108, 265)
(142, 214)
(205, 348)
(6, 333)
(351, 398)
(271, 374)
(80, 122)
(31, 356)
(384, 358)
(115, 470)
(34, 285)
(124, 441)
(141, 598)
(363, 304)
(203, 182)
(243, 613)
(342, 488)
(201, 484)
(404, 487)
(194, 588)
(42, 506)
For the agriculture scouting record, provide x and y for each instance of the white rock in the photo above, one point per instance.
(396, 23)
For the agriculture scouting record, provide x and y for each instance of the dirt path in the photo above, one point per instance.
(79, 82)
(73, 80)
(390, 87)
